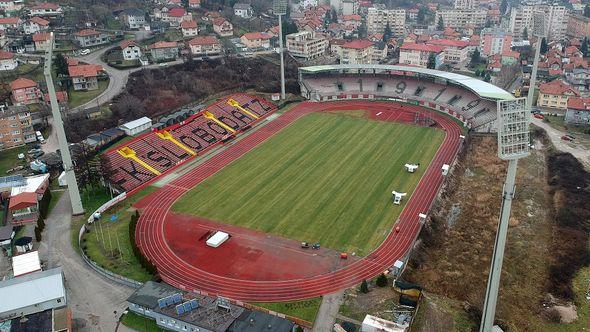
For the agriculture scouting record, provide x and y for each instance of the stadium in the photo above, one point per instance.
(322, 172)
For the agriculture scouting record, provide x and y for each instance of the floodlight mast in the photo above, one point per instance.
(280, 9)
(76, 201)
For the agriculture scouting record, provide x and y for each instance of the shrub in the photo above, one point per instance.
(37, 234)
(364, 287)
(381, 280)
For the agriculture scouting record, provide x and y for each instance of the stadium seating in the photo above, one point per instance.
(155, 153)
(464, 104)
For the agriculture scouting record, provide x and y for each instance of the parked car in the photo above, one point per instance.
(304, 245)
(85, 51)
(316, 246)
(568, 138)
(535, 111)
(539, 116)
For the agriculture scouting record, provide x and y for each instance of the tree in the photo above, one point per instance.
(587, 10)
(525, 33)
(387, 33)
(381, 280)
(475, 58)
(585, 48)
(288, 28)
(421, 16)
(61, 65)
(487, 78)
(544, 46)
(334, 15)
(364, 287)
(440, 26)
(503, 7)
(431, 61)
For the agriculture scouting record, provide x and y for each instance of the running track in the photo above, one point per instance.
(175, 271)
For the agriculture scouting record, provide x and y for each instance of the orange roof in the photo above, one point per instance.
(62, 96)
(188, 24)
(354, 17)
(9, 20)
(22, 200)
(39, 20)
(46, 5)
(205, 40)
(423, 47)
(126, 43)
(449, 43)
(41, 36)
(176, 12)
(84, 70)
(358, 44)
(578, 103)
(571, 50)
(6, 55)
(219, 21)
(72, 62)
(22, 83)
(557, 87)
(163, 44)
(86, 32)
(256, 35)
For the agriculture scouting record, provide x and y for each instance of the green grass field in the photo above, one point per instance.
(326, 178)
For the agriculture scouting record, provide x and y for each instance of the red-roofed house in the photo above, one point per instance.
(206, 45)
(7, 61)
(578, 111)
(62, 97)
(256, 40)
(10, 23)
(361, 51)
(131, 49)
(555, 94)
(85, 77)
(91, 37)
(456, 51)
(189, 28)
(175, 16)
(23, 208)
(42, 41)
(223, 27)
(35, 24)
(25, 91)
(164, 51)
(418, 55)
(46, 9)
(194, 4)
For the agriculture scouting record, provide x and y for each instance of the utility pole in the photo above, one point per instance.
(280, 9)
(58, 125)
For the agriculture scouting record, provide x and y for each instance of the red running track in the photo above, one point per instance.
(173, 270)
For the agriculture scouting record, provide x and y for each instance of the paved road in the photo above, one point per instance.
(51, 142)
(577, 150)
(92, 298)
(328, 311)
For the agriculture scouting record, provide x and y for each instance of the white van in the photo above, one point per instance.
(40, 137)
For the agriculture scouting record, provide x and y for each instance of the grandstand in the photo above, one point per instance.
(468, 99)
(156, 152)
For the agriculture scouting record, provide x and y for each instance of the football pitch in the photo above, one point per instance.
(326, 178)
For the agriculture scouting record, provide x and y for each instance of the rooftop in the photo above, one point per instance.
(557, 87)
(358, 44)
(578, 103)
(31, 289)
(6, 55)
(423, 47)
(190, 24)
(163, 44)
(449, 43)
(41, 36)
(26, 263)
(22, 83)
(86, 33)
(22, 200)
(205, 40)
(9, 20)
(136, 123)
(84, 70)
(256, 35)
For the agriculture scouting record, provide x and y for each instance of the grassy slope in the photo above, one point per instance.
(77, 98)
(304, 309)
(318, 179)
(140, 323)
(9, 159)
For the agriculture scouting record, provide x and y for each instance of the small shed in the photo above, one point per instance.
(26, 263)
(61, 180)
(135, 127)
(217, 239)
(23, 244)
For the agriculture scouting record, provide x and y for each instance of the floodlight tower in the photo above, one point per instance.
(539, 31)
(76, 202)
(280, 9)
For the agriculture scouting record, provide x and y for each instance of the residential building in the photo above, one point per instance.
(419, 54)
(194, 4)
(256, 40)
(137, 126)
(10, 23)
(243, 10)
(555, 94)
(16, 127)
(164, 51)
(85, 76)
(189, 28)
(223, 27)
(579, 79)
(556, 19)
(175, 16)
(349, 7)
(11, 6)
(462, 18)
(206, 45)
(578, 26)
(306, 44)
(133, 18)
(209, 313)
(42, 41)
(578, 111)
(25, 91)
(91, 37)
(464, 4)
(35, 24)
(494, 41)
(308, 3)
(7, 61)
(130, 49)
(46, 9)
(378, 18)
(358, 51)
(455, 51)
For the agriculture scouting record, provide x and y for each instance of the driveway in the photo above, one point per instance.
(577, 150)
(96, 302)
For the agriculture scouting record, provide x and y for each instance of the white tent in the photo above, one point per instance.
(62, 179)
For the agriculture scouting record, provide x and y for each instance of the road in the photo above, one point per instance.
(328, 311)
(577, 150)
(96, 302)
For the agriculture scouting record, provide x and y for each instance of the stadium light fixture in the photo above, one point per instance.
(279, 8)
(75, 199)
(513, 143)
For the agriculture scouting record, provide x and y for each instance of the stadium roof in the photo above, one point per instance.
(481, 88)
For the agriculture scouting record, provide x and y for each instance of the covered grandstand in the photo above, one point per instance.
(470, 100)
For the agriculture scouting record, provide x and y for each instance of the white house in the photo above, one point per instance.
(35, 24)
(243, 10)
(189, 28)
(46, 9)
(7, 61)
(133, 18)
(130, 49)
(136, 127)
